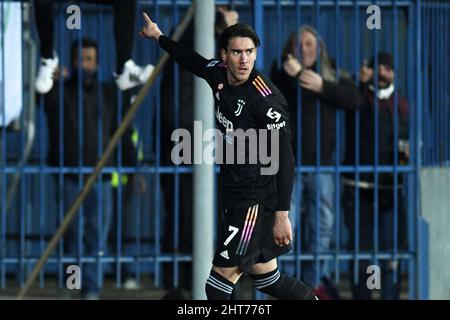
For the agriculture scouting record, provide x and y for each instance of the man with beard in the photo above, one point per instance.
(376, 196)
(85, 102)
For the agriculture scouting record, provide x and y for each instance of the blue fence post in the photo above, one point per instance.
(337, 205)
(357, 152)
(376, 151)
(396, 139)
(411, 174)
(258, 21)
(298, 173)
(418, 157)
(61, 273)
(423, 258)
(157, 173)
(176, 213)
(318, 155)
(447, 81)
(80, 233)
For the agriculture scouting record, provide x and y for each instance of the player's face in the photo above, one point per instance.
(240, 58)
(308, 48)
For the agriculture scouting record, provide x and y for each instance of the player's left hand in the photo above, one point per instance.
(311, 80)
(282, 230)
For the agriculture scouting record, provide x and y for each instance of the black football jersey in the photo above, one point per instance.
(258, 162)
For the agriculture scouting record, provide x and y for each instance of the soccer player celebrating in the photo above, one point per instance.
(256, 228)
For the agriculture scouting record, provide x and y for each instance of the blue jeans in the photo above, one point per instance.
(131, 220)
(317, 236)
(95, 227)
(390, 289)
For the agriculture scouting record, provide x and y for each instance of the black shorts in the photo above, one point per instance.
(246, 238)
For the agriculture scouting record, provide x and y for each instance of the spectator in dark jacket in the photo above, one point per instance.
(89, 118)
(391, 107)
(314, 90)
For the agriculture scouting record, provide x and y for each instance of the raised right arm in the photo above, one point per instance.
(183, 55)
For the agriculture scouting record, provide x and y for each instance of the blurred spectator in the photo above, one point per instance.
(224, 18)
(306, 90)
(133, 186)
(92, 105)
(127, 74)
(384, 97)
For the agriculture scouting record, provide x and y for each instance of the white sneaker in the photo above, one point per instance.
(44, 80)
(131, 284)
(133, 75)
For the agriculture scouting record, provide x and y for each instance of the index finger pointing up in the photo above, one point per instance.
(146, 17)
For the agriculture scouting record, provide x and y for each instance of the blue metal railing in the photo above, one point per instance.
(314, 12)
(434, 38)
(423, 23)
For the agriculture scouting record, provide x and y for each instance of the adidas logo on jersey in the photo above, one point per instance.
(225, 254)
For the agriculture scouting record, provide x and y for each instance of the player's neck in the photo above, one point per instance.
(232, 81)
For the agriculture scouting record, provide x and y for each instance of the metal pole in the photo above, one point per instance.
(422, 277)
(258, 20)
(203, 173)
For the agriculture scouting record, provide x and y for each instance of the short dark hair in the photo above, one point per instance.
(238, 30)
(383, 58)
(85, 43)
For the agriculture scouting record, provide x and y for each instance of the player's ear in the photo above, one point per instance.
(223, 54)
